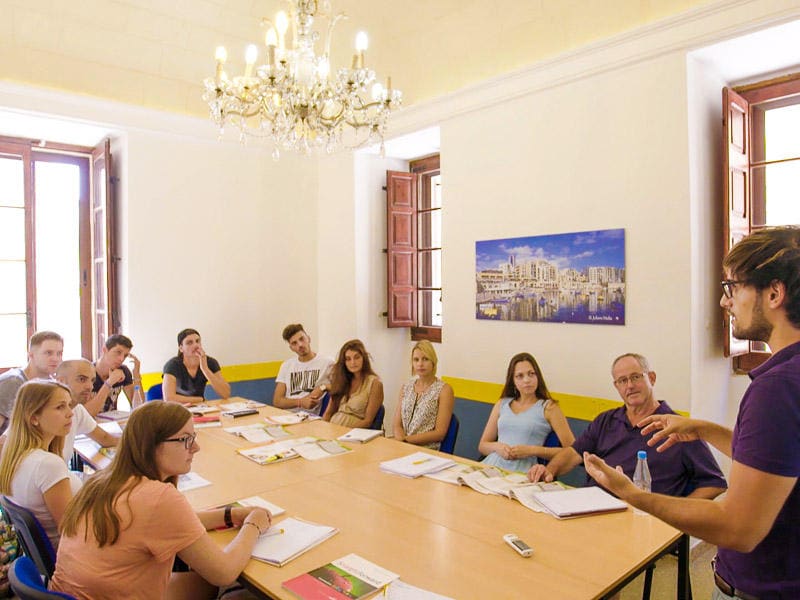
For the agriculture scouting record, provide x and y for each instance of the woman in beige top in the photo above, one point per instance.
(356, 391)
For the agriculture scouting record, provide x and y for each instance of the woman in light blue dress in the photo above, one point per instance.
(521, 420)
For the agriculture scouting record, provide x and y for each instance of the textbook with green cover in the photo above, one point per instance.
(275, 451)
(348, 578)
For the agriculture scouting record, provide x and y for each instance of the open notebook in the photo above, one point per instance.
(296, 536)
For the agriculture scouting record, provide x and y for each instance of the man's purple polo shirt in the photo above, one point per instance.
(675, 472)
(767, 437)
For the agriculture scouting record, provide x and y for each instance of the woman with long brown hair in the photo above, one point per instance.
(356, 391)
(122, 531)
(522, 419)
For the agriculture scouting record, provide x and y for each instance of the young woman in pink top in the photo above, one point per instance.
(123, 530)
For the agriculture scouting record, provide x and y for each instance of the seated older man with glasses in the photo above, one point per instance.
(682, 470)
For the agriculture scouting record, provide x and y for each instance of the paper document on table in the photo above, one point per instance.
(112, 427)
(114, 415)
(297, 537)
(203, 409)
(240, 405)
(475, 478)
(452, 474)
(259, 432)
(503, 484)
(292, 419)
(320, 449)
(190, 481)
(400, 590)
(577, 502)
(275, 451)
(416, 464)
(360, 436)
(259, 502)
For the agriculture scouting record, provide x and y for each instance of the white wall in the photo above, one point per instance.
(214, 235)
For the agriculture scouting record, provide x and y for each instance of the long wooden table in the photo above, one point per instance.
(437, 536)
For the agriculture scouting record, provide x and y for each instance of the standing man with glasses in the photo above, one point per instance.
(757, 524)
(689, 469)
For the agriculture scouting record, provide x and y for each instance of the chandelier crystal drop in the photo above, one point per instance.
(295, 98)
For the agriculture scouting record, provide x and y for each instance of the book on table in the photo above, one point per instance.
(114, 415)
(416, 464)
(573, 502)
(293, 538)
(348, 578)
(190, 481)
(359, 435)
(275, 452)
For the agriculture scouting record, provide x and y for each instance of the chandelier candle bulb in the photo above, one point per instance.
(272, 42)
(221, 56)
(282, 25)
(250, 57)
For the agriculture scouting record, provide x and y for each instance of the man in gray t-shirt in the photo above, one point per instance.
(44, 356)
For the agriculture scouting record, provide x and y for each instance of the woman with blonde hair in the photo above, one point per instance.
(519, 423)
(122, 531)
(356, 391)
(426, 402)
(33, 473)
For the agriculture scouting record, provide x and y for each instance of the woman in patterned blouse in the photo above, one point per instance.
(426, 402)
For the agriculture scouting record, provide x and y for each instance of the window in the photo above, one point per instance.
(53, 246)
(414, 248)
(761, 125)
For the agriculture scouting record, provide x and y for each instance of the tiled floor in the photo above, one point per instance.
(666, 571)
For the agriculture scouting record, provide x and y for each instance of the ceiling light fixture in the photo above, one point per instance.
(294, 98)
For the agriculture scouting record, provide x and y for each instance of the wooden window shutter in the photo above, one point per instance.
(736, 188)
(401, 248)
(104, 252)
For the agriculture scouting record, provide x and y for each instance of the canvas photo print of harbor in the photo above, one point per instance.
(561, 278)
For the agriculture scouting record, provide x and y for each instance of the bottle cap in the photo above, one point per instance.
(641, 455)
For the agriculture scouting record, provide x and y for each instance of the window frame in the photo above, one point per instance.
(31, 151)
(406, 193)
(743, 190)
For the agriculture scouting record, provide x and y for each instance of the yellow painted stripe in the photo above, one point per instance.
(247, 372)
(585, 408)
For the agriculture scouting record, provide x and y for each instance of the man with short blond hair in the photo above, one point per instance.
(44, 355)
(614, 435)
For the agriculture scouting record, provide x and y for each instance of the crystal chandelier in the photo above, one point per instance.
(294, 98)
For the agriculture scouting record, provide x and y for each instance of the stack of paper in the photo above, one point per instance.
(452, 474)
(203, 409)
(575, 502)
(297, 537)
(400, 590)
(360, 436)
(416, 464)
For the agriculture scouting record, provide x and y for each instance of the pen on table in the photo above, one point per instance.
(420, 461)
(272, 532)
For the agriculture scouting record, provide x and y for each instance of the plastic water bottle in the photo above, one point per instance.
(641, 476)
(138, 399)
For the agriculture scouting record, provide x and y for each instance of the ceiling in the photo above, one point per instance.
(155, 53)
